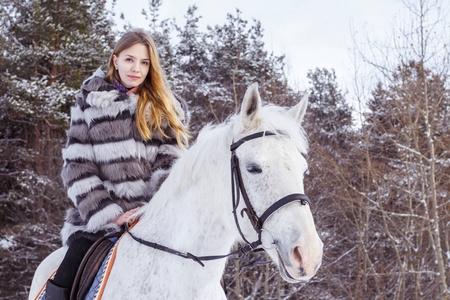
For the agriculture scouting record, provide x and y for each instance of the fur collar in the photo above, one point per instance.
(102, 94)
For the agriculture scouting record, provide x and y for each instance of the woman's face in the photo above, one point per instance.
(133, 65)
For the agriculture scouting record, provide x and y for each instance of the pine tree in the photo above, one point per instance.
(228, 47)
(238, 59)
(190, 52)
(161, 31)
(50, 47)
(330, 118)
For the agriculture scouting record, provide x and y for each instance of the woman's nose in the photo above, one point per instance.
(135, 67)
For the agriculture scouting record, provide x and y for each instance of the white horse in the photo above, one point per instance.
(193, 211)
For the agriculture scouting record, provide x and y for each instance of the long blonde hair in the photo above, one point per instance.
(154, 91)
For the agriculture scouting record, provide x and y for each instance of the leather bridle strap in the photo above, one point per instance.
(282, 202)
(247, 138)
(238, 188)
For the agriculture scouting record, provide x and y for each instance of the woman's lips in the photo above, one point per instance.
(134, 77)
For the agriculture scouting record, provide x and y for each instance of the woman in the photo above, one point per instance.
(126, 130)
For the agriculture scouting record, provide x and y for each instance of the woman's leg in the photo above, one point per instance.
(60, 286)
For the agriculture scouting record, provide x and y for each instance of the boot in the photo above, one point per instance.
(54, 292)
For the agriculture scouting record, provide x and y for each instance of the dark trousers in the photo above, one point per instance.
(67, 271)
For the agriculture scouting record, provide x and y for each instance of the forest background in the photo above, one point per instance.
(379, 167)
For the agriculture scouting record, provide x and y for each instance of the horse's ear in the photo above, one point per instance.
(299, 110)
(251, 106)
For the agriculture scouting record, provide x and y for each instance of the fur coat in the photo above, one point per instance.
(108, 167)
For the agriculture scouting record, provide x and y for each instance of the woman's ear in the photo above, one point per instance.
(115, 60)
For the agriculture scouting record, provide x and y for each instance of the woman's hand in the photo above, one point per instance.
(125, 217)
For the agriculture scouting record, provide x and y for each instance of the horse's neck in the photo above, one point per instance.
(195, 223)
(196, 218)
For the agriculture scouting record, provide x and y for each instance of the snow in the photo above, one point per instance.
(7, 242)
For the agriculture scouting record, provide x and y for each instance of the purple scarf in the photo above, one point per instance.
(120, 87)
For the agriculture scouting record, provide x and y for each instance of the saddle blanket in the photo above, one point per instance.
(96, 290)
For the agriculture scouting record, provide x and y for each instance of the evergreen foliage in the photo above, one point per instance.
(47, 49)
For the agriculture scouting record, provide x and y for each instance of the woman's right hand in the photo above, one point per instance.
(125, 217)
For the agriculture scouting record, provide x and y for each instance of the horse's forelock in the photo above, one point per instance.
(275, 118)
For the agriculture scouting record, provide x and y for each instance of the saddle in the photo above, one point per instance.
(90, 265)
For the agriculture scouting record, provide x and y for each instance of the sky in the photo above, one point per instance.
(311, 33)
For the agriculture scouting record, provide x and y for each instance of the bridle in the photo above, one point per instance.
(238, 188)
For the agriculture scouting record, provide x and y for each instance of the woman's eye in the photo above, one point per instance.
(253, 168)
(128, 59)
(145, 63)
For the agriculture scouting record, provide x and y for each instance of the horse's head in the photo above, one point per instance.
(273, 167)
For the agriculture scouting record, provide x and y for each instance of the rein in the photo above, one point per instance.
(238, 188)
(198, 259)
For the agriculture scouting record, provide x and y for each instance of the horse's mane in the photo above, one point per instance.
(213, 142)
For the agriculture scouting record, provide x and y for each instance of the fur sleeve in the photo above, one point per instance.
(165, 156)
(168, 150)
(80, 175)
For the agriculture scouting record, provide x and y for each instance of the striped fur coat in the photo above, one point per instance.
(108, 167)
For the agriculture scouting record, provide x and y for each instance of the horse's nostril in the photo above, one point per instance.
(297, 256)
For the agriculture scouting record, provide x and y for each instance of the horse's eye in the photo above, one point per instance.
(253, 168)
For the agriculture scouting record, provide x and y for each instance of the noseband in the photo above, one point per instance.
(238, 188)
